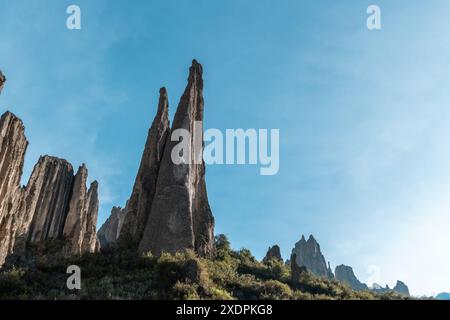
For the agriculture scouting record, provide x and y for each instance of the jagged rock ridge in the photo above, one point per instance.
(54, 203)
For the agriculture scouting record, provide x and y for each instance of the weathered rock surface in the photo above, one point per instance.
(308, 254)
(13, 145)
(139, 206)
(273, 253)
(54, 204)
(181, 217)
(75, 225)
(111, 229)
(2, 81)
(401, 288)
(346, 275)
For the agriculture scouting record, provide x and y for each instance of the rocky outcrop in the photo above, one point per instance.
(53, 205)
(139, 206)
(111, 229)
(273, 253)
(296, 270)
(346, 275)
(180, 216)
(13, 145)
(2, 81)
(401, 288)
(308, 254)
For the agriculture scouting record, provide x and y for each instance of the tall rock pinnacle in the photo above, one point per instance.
(139, 206)
(181, 217)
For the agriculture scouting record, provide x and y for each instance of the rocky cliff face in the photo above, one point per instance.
(13, 145)
(308, 254)
(48, 195)
(273, 253)
(111, 229)
(139, 206)
(54, 204)
(345, 275)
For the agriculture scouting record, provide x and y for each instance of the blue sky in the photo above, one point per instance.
(363, 115)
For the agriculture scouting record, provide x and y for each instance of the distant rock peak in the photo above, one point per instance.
(309, 255)
(2, 81)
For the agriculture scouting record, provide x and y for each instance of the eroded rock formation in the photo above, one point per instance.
(308, 254)
(346, 275)
(168, 210)
(111, 229)
(54, 204)
(273, 253)
(181, 217)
